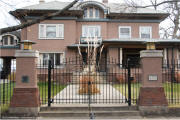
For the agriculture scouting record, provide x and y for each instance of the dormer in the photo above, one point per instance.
(9, 40)
(93, 10)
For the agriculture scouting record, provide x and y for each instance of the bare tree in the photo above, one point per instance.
(170, 6)
(42, 18)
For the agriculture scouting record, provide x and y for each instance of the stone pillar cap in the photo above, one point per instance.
(151, 53)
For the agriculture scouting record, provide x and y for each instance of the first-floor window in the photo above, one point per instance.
(56, 58)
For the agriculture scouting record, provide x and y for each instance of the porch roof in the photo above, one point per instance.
(139, 40)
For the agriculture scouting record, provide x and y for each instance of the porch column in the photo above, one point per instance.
(113, 53)
(152, 99)
(121, 56)
(25, 99)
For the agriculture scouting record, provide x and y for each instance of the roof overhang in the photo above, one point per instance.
(143, 41)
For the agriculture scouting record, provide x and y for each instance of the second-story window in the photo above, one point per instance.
(91, 31)
(145, 32)
(124, 32)
(91, 12)
(8, 40)
(51, 31)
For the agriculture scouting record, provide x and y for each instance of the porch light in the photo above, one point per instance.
(150, 46)
(27, 44)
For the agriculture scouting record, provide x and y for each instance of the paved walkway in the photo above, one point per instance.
(108, 94)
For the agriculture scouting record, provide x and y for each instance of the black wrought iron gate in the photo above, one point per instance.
(73, 81)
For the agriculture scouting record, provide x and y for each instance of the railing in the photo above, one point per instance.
(7, 84)
(171, 82)
(70, 84)
(91, 39)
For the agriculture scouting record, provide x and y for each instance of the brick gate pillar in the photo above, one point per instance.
(25, 99)
(152, 99)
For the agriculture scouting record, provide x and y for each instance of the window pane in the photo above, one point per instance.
(61, 31)
(97, 13)
(85, 13)
(145, 32)
(45, 58)
(51, 31)
(11, 40)
(91, 12)
(5, 39)
(51, 57)
(124, 32)
(41, 31)
(57, 59)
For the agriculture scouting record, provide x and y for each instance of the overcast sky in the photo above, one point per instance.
(7, 20)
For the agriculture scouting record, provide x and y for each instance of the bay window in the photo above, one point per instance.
(51, 31)
(145, 32)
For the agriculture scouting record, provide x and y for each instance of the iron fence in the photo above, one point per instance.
(76, 81)
(7, 83)
(171, 82)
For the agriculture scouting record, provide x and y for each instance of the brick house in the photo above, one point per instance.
(124, 31)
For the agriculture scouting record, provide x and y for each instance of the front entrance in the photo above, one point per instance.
(77, 82)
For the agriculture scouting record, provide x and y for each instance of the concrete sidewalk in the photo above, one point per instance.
(108, 94)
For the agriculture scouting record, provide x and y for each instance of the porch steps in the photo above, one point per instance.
(82, 111)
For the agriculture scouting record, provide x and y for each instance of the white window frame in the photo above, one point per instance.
(94, 13)
(145, 27)
(57, 31)
(84, 26)
(125, 27)
(41, 59)
(9, 40)
(178, 57)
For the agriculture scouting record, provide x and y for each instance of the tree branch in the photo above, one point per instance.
(42, 18)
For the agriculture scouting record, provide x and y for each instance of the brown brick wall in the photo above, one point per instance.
(152, 96)
(25, 97)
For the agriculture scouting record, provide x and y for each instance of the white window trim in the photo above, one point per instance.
(9, 40)
(125, 27)
(57, 30)
(57, 66)
(147, 27)
(99, 27)
(94, 13)
(178, 57)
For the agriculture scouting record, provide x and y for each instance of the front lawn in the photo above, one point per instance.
(172, 91)
(43, 90)
(7, 92)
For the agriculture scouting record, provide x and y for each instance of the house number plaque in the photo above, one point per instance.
(25, 79)
(153, 77)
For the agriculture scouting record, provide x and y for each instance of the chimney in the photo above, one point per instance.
(105, 1)
(41, 1)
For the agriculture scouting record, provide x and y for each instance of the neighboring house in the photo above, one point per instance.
(124, 31)
(8, 46)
